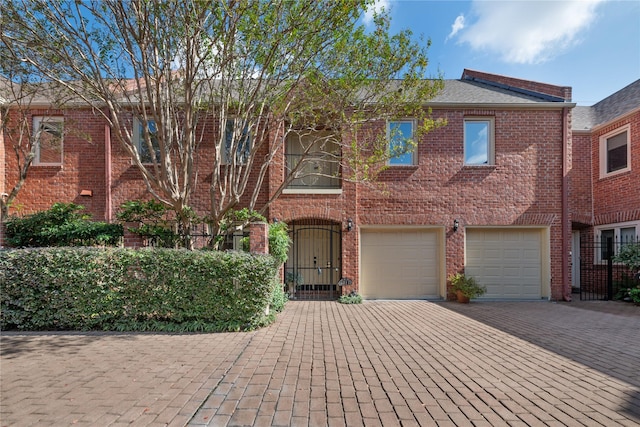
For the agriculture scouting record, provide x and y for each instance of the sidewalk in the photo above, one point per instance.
(322, 363)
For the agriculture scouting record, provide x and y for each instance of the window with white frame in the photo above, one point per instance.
(615, 152)
(478, 141)
(313, 157)
(619, 235)
(401, 145)
(48, 135)
(141, 142)
(236, 135)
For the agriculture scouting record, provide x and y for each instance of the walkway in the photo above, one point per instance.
(322, 363)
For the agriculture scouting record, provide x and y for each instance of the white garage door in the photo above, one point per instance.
(399, 264)
(507, 261)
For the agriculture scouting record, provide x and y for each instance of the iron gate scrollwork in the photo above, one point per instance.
(314, 266)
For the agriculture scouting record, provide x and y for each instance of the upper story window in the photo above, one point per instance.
(48, 140)
(141, 144)
(401, 146)
(478, 141)
(314, 159)
(236, 135)
(615, 152)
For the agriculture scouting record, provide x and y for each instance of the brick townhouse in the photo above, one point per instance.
(495, 193)
(605, 178)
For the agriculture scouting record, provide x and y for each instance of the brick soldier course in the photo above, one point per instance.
(322, 363)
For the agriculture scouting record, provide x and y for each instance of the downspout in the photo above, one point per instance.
(108, 214)
(566, 285)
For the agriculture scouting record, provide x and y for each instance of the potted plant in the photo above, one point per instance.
(466, 287)
(292, 279)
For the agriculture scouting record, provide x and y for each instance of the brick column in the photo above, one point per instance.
(259, 238)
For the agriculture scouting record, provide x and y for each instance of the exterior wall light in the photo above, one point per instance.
(456, 225)
(349, 224)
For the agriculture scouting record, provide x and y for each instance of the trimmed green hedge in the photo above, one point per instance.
(63, 224)
(143, 290)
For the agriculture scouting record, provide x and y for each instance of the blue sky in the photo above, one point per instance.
(591, 45)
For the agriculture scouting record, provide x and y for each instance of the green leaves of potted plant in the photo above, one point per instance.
(466, 287)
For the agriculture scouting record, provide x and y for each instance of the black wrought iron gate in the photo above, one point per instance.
(600, 277)
(314, 266)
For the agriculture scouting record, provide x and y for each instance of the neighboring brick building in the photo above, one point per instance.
(605, 189)
(494, 193)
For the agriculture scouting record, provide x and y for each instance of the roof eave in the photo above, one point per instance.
(503, 106)
(615, 119)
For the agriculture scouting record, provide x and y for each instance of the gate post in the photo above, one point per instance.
(259, 237)
(609, 268)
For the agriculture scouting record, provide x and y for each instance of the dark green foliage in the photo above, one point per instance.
(62, 225)
(467, 285)
(279, 297)
(629, 288)
(351, 298)
(629, 255)
(279, 241)
(155, 222)
(124, 289)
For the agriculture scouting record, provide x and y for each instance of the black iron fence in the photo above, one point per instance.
(199, 236)
(601, 276)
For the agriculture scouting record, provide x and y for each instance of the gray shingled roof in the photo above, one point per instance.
(471, 92)
(616, 105)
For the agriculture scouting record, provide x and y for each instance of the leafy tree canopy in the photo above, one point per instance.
(180, 64)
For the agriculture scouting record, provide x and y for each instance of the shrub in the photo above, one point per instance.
(629, 255)
(631, 294)
(62, 225)
(155, 222)
(466, 285)
(351, 298)
(126, 289)
(279, 297)
(279, 241)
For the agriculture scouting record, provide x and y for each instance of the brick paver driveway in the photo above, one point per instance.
(322, 363)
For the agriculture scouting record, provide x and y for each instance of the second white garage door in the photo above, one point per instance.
(507, 261)
(399, 264)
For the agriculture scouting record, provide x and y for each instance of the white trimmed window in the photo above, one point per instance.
(320, 156)
(141, 144)
(48, 136)
(620, 235)
(615, 152)
(401, 146)
(479, 141)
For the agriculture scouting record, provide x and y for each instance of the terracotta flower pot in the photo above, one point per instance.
(462, 297)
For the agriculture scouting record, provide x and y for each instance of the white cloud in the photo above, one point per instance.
(527, 32)
(377, 7)
(456, 26)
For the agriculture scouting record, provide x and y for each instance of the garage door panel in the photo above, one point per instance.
(507, 261)
(401, 264)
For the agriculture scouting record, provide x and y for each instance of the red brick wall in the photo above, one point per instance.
(617, 198)
(2, 178)
(523, 188)
(2, 159)
(563, 92)
(82, 167)
(580, 187)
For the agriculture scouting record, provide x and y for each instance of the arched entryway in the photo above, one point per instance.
(314, 266)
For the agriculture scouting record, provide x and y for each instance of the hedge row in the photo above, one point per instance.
(124, 289)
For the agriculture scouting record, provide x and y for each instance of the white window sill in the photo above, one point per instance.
(312, 191)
